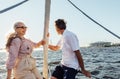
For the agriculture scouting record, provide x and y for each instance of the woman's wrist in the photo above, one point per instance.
(9, 71)
(39, 43)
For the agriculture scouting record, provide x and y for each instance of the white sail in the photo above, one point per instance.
(46, 27)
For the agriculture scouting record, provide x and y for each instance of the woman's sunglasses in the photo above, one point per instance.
(23, 27)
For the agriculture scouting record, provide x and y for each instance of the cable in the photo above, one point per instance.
(13, 6)
(95, 21)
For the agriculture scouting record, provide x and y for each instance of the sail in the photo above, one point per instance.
(46, 27)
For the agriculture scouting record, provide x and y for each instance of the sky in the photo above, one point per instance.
(106, 12)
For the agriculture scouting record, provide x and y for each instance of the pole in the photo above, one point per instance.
(46, 27)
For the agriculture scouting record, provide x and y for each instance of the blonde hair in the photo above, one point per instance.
(10, 37)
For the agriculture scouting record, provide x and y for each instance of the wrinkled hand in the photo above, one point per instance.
(86, 73)
(43, 42)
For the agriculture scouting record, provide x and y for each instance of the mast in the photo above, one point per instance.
(46, 27)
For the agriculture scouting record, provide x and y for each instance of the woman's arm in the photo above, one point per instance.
(13, 54)
(42, 42)
(52, 47)
(9, 71)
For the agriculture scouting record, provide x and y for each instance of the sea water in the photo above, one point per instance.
(102, 62)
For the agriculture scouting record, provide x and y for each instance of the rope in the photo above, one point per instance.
(11, 7)
(95, 21)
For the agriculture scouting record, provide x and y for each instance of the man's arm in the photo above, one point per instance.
(81, 63)
(80, 59)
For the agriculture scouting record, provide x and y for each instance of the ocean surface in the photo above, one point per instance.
(102, 62)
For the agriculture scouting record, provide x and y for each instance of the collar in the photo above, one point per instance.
(65, 32)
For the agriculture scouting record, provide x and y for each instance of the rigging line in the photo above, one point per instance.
(13, 6)
(94, 21)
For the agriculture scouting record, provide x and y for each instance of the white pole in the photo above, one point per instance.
(46, 27)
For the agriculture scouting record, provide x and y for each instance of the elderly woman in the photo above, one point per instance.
(19, 59)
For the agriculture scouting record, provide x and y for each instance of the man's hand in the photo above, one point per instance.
(86, 73)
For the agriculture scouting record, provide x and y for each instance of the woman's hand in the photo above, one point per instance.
(42, 42)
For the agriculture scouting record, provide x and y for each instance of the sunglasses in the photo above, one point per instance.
(23, 27)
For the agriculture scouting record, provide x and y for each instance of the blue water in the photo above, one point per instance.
(102, 62)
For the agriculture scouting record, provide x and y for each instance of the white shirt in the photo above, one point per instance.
(69, 43)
